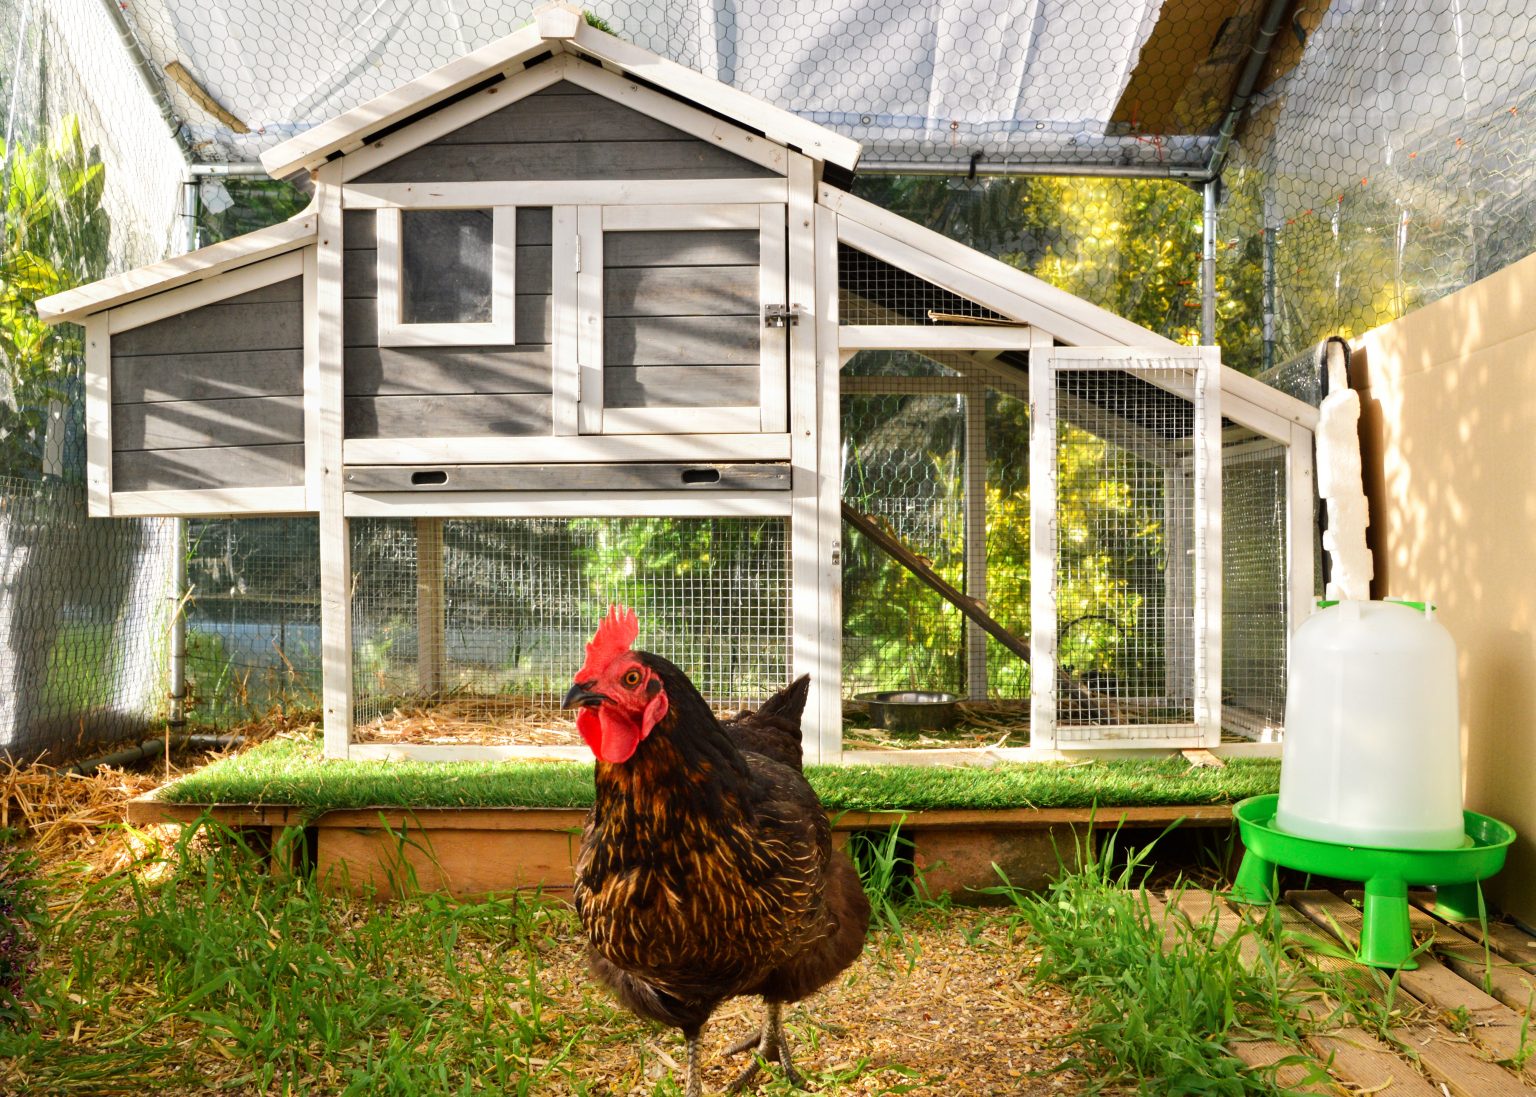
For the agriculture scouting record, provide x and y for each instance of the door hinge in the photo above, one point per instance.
(577, 255)
(778, 316)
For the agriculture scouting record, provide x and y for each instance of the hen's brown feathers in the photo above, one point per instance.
(774, 729)
(706, 868)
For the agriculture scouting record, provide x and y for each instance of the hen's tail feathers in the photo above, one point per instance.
(774, 729)
(787, 705)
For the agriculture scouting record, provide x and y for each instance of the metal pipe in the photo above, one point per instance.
(1242, 91)
(228, 169)
(1109, 171)
(150, 747)
(148, 75)
(1208, 265)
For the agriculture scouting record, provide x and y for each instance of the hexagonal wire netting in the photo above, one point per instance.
(1382, 160)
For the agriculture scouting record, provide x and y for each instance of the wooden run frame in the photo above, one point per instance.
(1200, 385)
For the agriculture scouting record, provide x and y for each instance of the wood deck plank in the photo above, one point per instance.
(1457, 946)
(1447, 1056)
(1511, 942)
(1359, 1059)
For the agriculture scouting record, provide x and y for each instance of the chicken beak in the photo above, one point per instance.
(580, 697)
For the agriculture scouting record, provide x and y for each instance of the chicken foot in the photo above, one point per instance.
(767, 1044)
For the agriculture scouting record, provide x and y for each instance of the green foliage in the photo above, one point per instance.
(1161, 996)
(21, 915)
(289, 990)
(53, 237)
(253, 203)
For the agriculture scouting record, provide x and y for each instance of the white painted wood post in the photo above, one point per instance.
(335, 549)
(1208, 530)
(1042, 546)
(1301, 530)
(806, 609)
(830, 493)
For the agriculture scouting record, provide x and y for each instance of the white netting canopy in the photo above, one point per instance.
(981, 84)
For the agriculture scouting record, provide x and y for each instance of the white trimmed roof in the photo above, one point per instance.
(557, 29)
(76, 304)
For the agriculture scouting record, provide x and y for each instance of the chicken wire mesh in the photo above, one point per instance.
(1125, 572)
(1255, 584)
(491, 616)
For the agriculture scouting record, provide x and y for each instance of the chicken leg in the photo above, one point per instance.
(695, 1079)
(769, 1043)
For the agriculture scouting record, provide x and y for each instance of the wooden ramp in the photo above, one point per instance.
(1462, 1024)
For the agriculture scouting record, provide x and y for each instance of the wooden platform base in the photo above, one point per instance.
(477, 851)
(1464, 1015)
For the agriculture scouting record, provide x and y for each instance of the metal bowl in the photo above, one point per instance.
(910, 709)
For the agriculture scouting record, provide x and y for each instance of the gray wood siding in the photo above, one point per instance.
(222, 467)
(680, 386)
(682, 319)
(564, 132)
(185, 424)
(469, 416)
(212, 397)
(393, 392)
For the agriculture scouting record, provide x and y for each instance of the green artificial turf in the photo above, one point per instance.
(293, 772)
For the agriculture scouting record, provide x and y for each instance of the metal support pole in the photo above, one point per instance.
(1268, 239)
(1208, 266)
(179, 590)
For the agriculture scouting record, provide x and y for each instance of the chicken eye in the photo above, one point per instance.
(632, 678)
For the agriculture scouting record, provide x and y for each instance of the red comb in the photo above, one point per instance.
(614, 635)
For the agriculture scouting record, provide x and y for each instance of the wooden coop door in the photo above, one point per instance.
(1125, 473)
(678, 318)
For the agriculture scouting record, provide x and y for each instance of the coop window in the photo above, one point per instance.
(446, 276)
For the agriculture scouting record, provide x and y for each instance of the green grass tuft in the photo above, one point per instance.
(293, 772)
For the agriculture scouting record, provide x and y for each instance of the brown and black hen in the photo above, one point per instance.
(706, 868)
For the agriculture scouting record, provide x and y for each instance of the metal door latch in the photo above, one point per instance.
(778, 316)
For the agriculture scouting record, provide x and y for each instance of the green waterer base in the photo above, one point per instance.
(1385, 941)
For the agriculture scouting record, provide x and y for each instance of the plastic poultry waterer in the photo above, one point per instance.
(1370, 780)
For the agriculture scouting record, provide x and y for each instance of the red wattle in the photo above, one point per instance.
(611, 736)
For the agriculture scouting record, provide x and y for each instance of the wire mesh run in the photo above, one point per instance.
(1124, 530)
(872, 291)
(1255, 617)
(484, 621)
(84, 611)
(253, 618)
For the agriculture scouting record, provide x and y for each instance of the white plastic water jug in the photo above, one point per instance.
(1372, 751)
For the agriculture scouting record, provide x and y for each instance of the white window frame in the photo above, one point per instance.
(394, 332)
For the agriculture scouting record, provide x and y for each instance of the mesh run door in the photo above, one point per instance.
(1126, 547)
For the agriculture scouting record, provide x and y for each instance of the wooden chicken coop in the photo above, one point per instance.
(563, 278)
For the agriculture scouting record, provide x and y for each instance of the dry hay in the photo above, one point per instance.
(67, 818)
(475, 720)
(470, 719)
